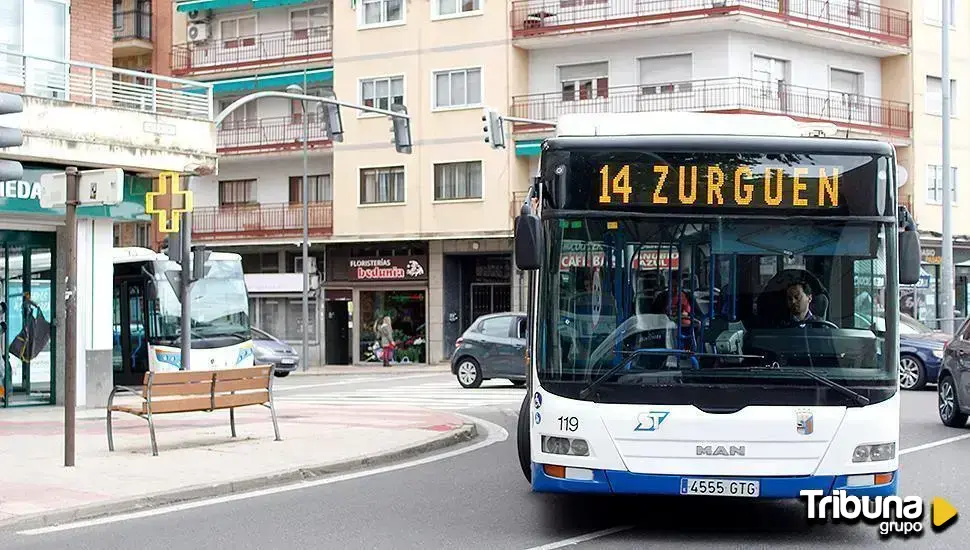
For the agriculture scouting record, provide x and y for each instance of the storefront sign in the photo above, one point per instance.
(388, 268)
(931, 256)
(647, 260)
(23, 197)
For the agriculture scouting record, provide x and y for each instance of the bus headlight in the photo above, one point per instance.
(874, 453)
(564, 446)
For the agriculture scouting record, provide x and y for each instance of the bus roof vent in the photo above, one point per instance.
(688, 123)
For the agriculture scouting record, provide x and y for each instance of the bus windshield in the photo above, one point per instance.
(220, 304)
(658, 289)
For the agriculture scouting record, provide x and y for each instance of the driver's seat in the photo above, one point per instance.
(772, 301)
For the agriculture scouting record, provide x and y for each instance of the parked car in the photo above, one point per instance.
(269, 350)
(953, 386)
(920, 351)
(492, 347)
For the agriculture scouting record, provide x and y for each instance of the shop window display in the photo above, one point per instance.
(407, 310)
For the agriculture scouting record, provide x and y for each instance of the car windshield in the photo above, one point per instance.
(724, 311)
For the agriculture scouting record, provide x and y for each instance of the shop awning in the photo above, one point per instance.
(191, 5)
(528, 148)
(266, 82)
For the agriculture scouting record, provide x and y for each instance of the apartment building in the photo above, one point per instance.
(425, 237)
(142, 41)
(922, 193)
(79, 111)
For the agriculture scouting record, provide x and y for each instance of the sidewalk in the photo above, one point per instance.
(197, 457)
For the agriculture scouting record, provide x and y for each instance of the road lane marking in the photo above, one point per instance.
(932, 444)
(496, 434)
(583, 538)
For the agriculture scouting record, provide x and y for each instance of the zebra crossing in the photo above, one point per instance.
(443, 395)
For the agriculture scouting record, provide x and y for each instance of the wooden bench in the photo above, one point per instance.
(197, 391)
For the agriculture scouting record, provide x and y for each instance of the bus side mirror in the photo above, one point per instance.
(528, 242)
(909, 258)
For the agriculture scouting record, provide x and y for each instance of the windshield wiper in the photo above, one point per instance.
(857, 397)
(591, 387)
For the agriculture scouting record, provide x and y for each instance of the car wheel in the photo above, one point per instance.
(469, 373)
(912, 373)
(282, 374)
(522, 440)
(949, 404)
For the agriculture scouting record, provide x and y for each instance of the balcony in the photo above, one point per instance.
(90, 114)
(261, 50)
(240, 137)
(868, 24)
(725, 95)
(133, 32)
(231, 223)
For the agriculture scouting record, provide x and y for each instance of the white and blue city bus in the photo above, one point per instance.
(148, 315)
(708, 340)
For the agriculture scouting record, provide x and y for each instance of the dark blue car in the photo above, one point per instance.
(920, 353)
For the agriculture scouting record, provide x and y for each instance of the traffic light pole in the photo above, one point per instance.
(70, 314)
(185, 288)
(303, 97)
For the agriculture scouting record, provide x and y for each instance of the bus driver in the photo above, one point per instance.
(799, 297)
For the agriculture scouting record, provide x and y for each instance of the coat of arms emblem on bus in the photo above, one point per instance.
(804, 422)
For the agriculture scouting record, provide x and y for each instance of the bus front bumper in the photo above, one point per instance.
(622, 482)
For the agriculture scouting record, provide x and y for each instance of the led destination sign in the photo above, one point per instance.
(676, 186)
(724, 183)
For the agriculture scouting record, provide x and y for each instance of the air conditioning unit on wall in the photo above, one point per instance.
(199, 16)
(197, 32)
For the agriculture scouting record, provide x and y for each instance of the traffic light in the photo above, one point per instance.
(334, 126)
(494, 127)
(173, 247)
(401, 129)
(10, 137)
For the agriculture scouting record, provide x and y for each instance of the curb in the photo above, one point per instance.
(467, 432)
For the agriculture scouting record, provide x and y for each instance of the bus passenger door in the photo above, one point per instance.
(130, 353)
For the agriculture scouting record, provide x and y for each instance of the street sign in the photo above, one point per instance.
(169, 219)
(10, 137)
(95, 188)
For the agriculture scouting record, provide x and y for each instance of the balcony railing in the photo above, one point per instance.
(269, 134)
(730, 95)
(133, 24)
(246, 51)
(260, 221)
(551, 17)
(102, 86)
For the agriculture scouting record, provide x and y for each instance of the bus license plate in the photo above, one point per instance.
(719, 487)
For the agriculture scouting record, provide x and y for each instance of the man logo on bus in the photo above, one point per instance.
(648, 422)
(804, 422)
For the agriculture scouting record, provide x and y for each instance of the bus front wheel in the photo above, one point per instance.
(522, 438)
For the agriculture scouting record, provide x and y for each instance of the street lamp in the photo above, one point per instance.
(298, 90)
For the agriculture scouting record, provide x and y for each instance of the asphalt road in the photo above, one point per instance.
(480, 499)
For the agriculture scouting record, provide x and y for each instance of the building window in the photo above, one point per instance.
(45, 22)
(444, 8)
(314, 109)
(377, 12)
(934, 96)
(382, 92)
(666, 74)
(459, 88)
(382, 185)
(246, 116)
(933, 11)
(239, 32)
(934, 184)
(320, 189)
(585, 81)
(458, 180)
(237, 192)
(310, 22)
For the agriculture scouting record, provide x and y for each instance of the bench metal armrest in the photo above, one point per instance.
(123, 389)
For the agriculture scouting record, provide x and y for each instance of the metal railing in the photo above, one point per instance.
(550, 17)
(260, 221)
(279, 47)
(286, 132)
(734, 94)
(102, 86)
(133, 24)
